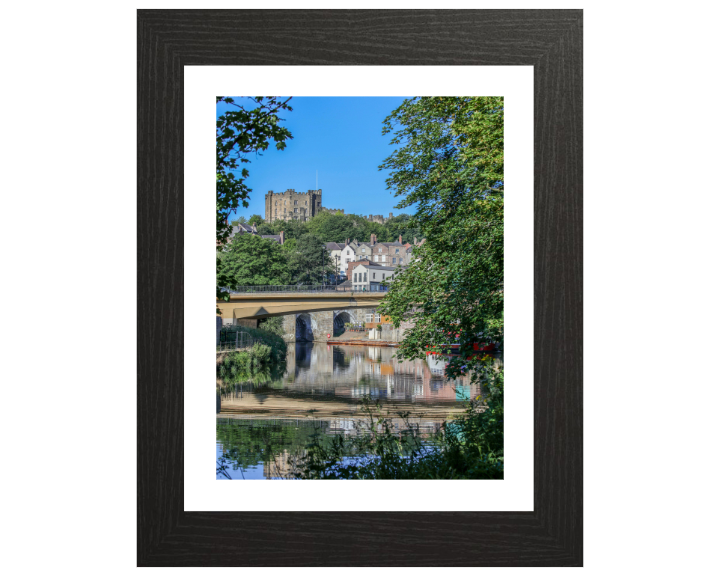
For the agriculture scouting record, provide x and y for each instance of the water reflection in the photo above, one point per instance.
(265, 422)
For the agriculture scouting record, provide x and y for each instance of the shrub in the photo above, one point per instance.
(469, 447)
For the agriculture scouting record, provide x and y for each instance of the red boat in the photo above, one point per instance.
(454, 349)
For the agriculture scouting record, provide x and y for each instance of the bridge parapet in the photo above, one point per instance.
(303, 289)
(267, 303)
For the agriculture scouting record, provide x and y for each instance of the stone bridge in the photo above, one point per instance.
(309, 316)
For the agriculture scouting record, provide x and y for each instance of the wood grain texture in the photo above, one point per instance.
(549, 40)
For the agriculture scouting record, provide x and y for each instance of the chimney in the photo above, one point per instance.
(254, 229)
(415, 241)
(400, 238)
(282, 237)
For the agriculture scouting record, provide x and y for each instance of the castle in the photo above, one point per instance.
(302, 206)
(291, 205)
(379, 219)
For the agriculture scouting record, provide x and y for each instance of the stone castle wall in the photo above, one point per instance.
(292, 205)
(379, 218)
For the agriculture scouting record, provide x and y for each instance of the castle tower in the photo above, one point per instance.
(292, 205)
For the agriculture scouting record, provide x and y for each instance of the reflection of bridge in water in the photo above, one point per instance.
(266, 425)
(325, 381)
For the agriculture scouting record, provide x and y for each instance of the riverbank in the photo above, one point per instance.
(359, 342)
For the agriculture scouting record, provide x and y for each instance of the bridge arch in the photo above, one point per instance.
(340, 319)
(304, 328)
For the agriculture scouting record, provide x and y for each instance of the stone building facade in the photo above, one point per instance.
(292, 205)
(378, 218)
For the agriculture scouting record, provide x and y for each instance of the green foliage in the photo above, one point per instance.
(449, 163)
(293, 228)
(469, 447)
(252, 260)
(272, 325)
(248, 443)
(339, 227)
(271, 338)
(256, 219)
(241, 131)
(241, 220)
(265, 229)
(309, 261)
(402, 225)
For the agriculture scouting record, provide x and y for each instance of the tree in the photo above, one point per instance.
(331, 227)
(250, 260)
(256, 219)
(449, 162)
(292, 228)
(239, 132)
(265, 229)
(403, 225)
(240, 220)
(309, 262)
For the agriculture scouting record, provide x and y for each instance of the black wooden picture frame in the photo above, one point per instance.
(548, 40)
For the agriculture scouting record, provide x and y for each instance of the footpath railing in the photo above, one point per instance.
(234, 340)
(306, 288)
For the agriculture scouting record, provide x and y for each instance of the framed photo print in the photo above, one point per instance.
(394, 257)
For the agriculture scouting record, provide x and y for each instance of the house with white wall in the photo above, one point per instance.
(369, 277)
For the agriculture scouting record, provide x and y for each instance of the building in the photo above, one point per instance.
(248, 229)
(378, 218)
(347, 255)
(291, 205)
(368, 277)
(242, 229)
(279, 238)
(334, 250)
(354, 264)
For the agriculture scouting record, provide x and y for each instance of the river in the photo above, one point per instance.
(265, 423)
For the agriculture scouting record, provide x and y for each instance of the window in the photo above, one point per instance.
(363, 250)
(397, 250)
(369, 316)
(383, 276)
(394, 260)
(400, 260)
(377, 317)
(296, 209)
(376, 258)
(373, 275)
(365, 277)
(384, 257)
(355, 277)
(380, 250)
(296, 202)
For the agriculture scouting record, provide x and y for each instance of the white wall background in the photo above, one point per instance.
(651, 290)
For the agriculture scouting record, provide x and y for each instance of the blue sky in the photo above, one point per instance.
(341, 139)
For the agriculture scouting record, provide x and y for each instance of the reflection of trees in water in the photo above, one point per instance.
(247, 443)
(334, 376)
(280, 444)
(347, 371)
(341, 362)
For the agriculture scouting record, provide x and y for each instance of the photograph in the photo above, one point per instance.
(359, 288)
